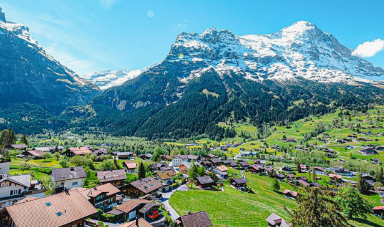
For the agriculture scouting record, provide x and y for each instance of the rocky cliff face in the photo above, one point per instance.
(29, 75)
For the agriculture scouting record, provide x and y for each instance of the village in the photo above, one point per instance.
(95, 186)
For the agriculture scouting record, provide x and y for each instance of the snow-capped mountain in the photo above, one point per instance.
(301, 50)
(110, 78)
(215, 76)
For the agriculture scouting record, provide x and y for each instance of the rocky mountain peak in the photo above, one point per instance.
(2, 15)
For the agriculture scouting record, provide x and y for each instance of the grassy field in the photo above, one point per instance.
(242, 209)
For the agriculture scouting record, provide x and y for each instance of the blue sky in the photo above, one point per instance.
(94, 35)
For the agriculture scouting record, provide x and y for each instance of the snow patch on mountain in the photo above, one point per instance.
(110, 78)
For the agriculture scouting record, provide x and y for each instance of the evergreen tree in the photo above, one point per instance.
(141, 171)
(379, 176)
(352, 203)
(24, 139)
(315, 209)
(7, 137)
(275, 185)
(362, 185)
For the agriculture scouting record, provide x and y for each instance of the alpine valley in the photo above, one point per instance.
(205, 79)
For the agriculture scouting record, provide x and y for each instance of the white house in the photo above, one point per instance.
(68, 178)
(178, 159)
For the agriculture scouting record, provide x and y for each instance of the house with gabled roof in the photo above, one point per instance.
(65, 209)
(130, 166)
(166, 178)
(141, 187)
(221, 171)
(19, 146)
(205, 182)
(275, 220)
(103, 196)
(199, 219)
(290, 194)
(115, 177)
(129, 210)
(68, 178)
(72, 151)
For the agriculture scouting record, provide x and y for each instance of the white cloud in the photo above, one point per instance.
(369, 49)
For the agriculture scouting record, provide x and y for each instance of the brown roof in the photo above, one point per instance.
(131, 205)
(291, 193)
(51, 211)
(166, 174)
(130, 164)
(80, 150)
(142, 223)
(88, 193)
(36, 153)
(112, 175)
(222, 168)
(147, 185)
(27, 199)
(199, 219)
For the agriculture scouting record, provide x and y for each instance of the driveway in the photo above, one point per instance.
(165, 200)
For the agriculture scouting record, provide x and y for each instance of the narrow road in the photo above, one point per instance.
(166, 196)
(242, 174)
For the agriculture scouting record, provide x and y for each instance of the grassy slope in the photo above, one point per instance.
(243, 209)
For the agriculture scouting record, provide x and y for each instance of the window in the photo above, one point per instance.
(19, 191)
(74, 183)
(11, 192)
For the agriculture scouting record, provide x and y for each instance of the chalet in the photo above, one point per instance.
(178, 159)
(291, 177)
(115, 177)
(375, 161)
(378, 211)
(19, 146)
(77, 151)
(287, 169)
(166, 178)
(157, 166)
(102, 197)
(244, 165)
(290, 140)
(290, 194)
(35, 153)
(139, 222)
(275, 220)
(14, 188)
(342, 171)
(280, 176)
(303, 183)
(316, 185)
(368, 151)
(304, 178)
(207, 165)
(129, 210)
(65, 209)
(130, 166)
(256, 169)
(361, 139)
(270, 170)
(123, 155)
(205, 182)
(233, 164)
(226, 162)
(165, 157)
(239, 183)
(209, 156)
(100, 151)
(319, 170)
(51, 149)
(340, 141)
(199, 219)
(304, 168)
(335, 177)
(68, 178)
(147, 156)
(143, 187)
(221, 171)
(216, 162)
(184, 167)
